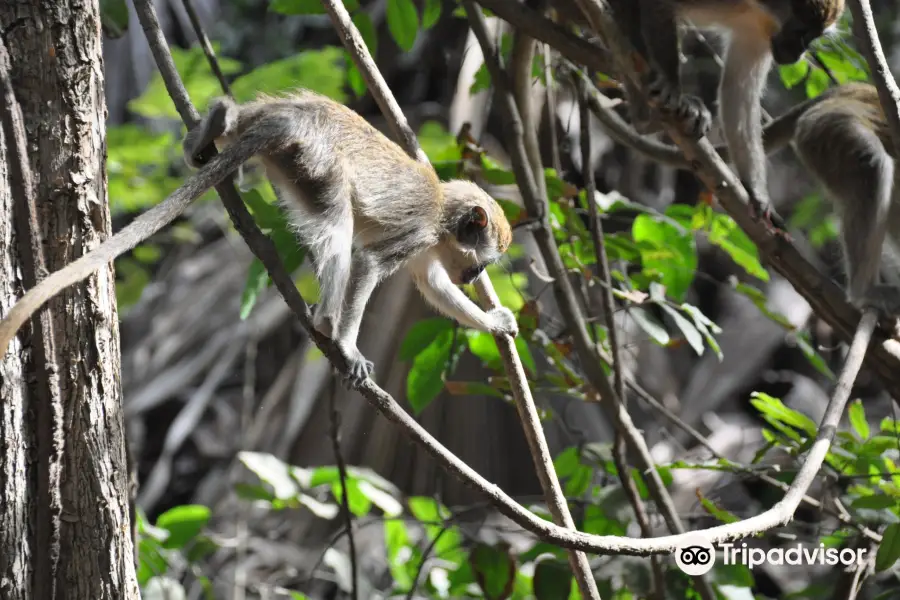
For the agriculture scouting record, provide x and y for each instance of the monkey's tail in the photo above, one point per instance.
(137, 231)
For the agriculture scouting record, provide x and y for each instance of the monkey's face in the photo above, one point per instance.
(482, 236)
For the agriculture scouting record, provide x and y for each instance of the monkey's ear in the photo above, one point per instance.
(479, 217)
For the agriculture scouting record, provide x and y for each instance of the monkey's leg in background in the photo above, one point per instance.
(862, 196)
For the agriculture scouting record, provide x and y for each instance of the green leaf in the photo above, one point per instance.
(857, 416)
(200, 83)
(793, 74)
(396, 539)
(358, 503)
(483, 345)
(889, 549)
(183, 523)
(257, 276)
(114, 18)
(494, 570)
(421, 335)
(431, 12)
(775, 411)
(403, 22)
(812, 355)
(876, 502)
(439, 145)
(426, 377)
(297, 7)
(551, 580)
(721, 514)
(668, 253)
(566, 462)
(319, 70)
(481, 81)
(727, 235)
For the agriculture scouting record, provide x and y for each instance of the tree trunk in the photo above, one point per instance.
(64, 484)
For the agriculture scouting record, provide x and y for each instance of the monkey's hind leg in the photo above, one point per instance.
(330, 237)
(364, 277)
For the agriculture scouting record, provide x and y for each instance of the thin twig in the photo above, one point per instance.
(48, 404)
(888, 92)
(206, 46)
(428, 550)
(335, 432)
(620, 456)
(520, 71)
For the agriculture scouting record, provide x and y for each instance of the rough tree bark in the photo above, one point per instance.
(64, 485)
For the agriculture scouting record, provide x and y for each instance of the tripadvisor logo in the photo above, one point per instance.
(695, 555)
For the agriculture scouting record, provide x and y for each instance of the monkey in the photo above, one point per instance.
(760, 31)
(842, 137)
(359, 203)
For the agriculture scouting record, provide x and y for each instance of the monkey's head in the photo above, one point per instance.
(476, 228)
(808, 19)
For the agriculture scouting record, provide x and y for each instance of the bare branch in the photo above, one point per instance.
(888, 93)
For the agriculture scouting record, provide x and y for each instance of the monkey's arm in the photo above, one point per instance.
(436, 286)
(136, 232)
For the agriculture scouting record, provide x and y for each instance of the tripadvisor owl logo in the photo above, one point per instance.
(695, 555)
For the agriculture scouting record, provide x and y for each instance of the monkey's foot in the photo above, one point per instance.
(358, 368)
(690, 111)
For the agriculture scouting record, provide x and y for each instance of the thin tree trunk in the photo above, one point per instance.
(64, 502)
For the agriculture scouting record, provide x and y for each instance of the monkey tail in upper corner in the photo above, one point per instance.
(136, 232)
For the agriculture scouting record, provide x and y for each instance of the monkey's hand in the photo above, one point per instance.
(502, 321)
(358, 367)
(690, 111)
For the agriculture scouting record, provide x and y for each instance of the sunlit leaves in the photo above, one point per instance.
(403, 22)
(319, 70)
